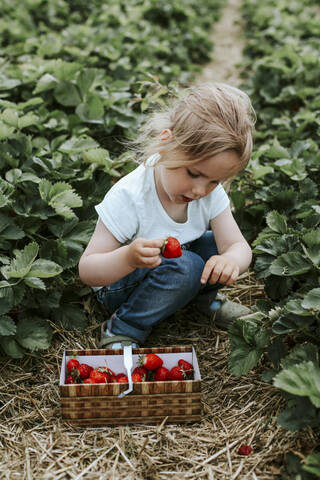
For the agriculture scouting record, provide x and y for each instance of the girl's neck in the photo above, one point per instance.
(178, 213)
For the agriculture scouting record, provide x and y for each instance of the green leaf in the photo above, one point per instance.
(5, 131)
(261, 171)
(64, 201)
(58, 188)
(6, 191)
(11, 347)
(61, 197)
(312, 464)
(65, 71)
(238, 199)
(71, 317)
(312, 242)
(6, 297)
(67, 94)
(8, 83)
(57, 250)
(20, 266)
(289, 323)
(44, 189)
(4, 260)
(13, 175)
(44, 269)
(46, 82)
(80, 234)
(301, 415)
(276, 151)
(268, 375)
(97, 155)
(311, 300)
(49, 302)
(29, 177)
(274, 246)
(242, 359)
(302, 380)
(86, 80)
(278, 287)
(32, 102)
(10, 116)
(277, 350)
(290, 264)
(34, 282)
(27, 120)
(295, 306)
(248, 340)
(8, 229)
(78, 145)
(295, 169)
(7, 326)
(262, 266)
(276, 222)
(34, 334)
(299, 354)
(92, 110)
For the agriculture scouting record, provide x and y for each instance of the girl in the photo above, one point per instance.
(188, 150)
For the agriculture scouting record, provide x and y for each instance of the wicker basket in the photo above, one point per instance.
(149, 402)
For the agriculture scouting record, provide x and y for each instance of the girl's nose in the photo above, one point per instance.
(199, 190)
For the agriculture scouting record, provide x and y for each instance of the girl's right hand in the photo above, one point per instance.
(144, 253)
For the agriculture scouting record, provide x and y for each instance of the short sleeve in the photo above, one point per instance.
(219, 201)
(118, 213)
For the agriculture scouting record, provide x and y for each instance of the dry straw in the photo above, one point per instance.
(35, 444)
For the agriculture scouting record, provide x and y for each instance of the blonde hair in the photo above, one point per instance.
(206, 120)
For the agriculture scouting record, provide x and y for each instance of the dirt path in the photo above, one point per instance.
(229, 42)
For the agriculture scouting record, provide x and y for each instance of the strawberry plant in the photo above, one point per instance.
(277, 200)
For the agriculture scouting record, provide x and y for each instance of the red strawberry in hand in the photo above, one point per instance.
(171, 248)
(151, 361)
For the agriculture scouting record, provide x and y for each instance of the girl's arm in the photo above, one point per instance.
(105, 260)
(235, 254)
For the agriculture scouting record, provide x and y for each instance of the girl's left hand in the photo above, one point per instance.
(220, 268)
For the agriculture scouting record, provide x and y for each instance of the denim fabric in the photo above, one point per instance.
(143, 298)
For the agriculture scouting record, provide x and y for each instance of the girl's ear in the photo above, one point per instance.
(165, 134)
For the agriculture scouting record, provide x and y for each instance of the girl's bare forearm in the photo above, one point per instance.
(241, 253)
(100, 269)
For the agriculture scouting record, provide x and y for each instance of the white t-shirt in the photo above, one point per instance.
(132, 209)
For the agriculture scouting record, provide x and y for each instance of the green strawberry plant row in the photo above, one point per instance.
(277, 202)
(75, 79)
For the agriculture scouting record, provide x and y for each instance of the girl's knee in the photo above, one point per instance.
(186, 269)
(191, 263)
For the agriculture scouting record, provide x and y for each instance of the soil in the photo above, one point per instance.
(229, 41)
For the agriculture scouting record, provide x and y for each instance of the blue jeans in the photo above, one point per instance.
(146, 296)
